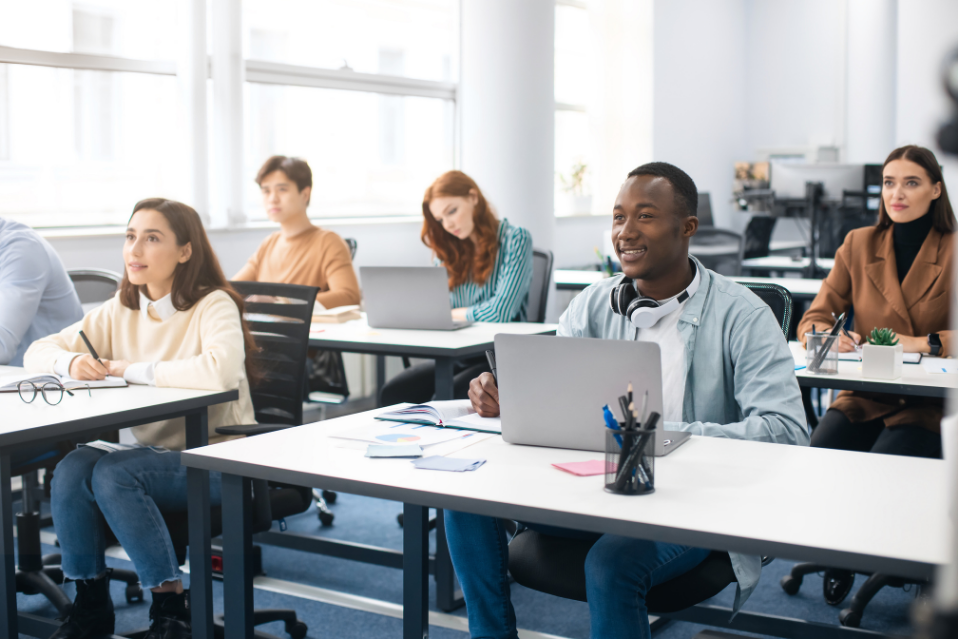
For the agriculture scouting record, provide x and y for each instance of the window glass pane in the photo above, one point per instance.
(142, 29)
(81, 147)
(572, 49)
(573, 169)
(370, 154)
(410, 38)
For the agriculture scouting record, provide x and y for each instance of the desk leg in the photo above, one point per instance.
(444, 378)
(415, 571)
(380, 378)
(198, 511)
(237, 555)
(8, 581)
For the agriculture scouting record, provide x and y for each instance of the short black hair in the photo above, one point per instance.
(686, 194)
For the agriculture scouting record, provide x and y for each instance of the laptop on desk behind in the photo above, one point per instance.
(408, 298)
(551, 390)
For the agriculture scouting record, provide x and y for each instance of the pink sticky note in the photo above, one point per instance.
(587, 468)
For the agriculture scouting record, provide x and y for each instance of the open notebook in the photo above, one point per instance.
(9, 383)
(447, 414)
(856, 356)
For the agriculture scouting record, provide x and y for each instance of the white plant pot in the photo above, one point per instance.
(882, 362)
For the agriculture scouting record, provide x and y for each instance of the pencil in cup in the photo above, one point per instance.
(630, 468)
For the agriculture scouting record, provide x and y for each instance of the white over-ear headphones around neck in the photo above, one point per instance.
(644, 312)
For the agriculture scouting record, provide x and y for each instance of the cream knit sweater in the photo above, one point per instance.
(200, 348)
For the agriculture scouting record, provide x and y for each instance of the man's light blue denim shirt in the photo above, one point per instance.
(740, 377)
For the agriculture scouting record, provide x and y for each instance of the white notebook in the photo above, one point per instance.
(9, 383)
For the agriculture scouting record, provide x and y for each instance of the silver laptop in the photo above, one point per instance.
(551, 390)
(408, 298)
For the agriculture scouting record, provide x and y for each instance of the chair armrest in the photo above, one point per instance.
(251, 429)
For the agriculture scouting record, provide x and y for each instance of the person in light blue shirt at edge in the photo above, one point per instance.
(727, 372)
(37, 297)
(489, 262)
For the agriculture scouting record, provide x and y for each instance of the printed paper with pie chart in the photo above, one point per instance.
(398, 433)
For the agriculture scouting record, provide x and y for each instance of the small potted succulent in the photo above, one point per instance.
(883, 355)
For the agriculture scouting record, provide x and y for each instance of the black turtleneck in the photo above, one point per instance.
(909, 237)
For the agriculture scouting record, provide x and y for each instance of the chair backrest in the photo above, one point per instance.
(704, 212)
(279, 316)
(539, 289)
(353, 245)
(778, 298)
(94, 286)
(718, 249)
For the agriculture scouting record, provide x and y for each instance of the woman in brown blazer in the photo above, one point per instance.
(897, 274)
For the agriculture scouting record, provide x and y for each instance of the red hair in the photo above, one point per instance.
(469, 259)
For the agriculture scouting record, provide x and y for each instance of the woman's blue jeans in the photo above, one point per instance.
(127, 489)
(619, 572)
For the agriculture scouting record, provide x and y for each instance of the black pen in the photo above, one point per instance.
(491, 359)
(90, 347)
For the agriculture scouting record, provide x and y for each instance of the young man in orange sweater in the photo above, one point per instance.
(300, 252)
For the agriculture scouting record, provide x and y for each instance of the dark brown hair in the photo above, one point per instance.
(462, 258)
(196, 278)
(942, 215)
(295, 169)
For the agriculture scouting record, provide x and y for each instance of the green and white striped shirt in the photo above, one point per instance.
(505, 295)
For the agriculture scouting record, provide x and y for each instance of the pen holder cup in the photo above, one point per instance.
(630, 461)
(817, 361)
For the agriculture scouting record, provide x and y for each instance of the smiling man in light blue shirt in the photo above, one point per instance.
(727, 372)
(37, 297)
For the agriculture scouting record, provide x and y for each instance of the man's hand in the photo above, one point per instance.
(484, 395)
(846, 345)
(86, 367)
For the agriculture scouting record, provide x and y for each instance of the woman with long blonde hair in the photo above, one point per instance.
(489, 262)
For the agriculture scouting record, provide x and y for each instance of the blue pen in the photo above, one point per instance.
(801, 367)
(611, 423)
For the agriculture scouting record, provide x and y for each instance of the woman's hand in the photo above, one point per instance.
(914, 344)
(86, 367)
(846, 344)
(459, 314)
(116, 367)
(484, 395)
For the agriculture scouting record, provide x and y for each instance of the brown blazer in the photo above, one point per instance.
(865, 277)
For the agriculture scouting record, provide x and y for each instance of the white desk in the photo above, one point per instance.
(445, 347)
(576, 280)
(785, 263)
(716, 493)
(84, 417)
(914, 380)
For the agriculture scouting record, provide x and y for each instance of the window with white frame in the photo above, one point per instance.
(363, 90)
(88, 121)
(603, 95)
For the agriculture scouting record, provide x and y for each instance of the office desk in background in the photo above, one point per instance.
(784, 263)
(84, 417)
(445, 347)
(914, 380)
(770, 502)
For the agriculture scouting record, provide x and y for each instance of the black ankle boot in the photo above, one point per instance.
(170, 615)
(92, 612)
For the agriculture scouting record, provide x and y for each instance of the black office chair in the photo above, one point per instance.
(279, 317)
(94, 286)
(556, 565)
(718, 249)
(537, 304)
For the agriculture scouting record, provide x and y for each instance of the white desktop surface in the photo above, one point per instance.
(804, 287)
(83, 411)
(785, 263)
(912, 375)
(575, 277)
(358, 332)
(751, 497)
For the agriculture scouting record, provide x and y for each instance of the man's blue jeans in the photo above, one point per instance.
(619, 572)
(128, 489)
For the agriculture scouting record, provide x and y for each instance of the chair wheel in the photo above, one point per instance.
(297, 630)
(791, 585)
(325, 518)
(836, 585)
(329, 496)
(134, 593)
(849, 618)
(399, 519)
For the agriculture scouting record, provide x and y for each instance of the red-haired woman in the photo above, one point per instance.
(175, 322)
(490, 270)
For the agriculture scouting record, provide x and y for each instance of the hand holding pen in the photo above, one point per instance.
(88, 367)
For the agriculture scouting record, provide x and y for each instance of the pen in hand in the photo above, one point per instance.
(491, 359)
(89, 346)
